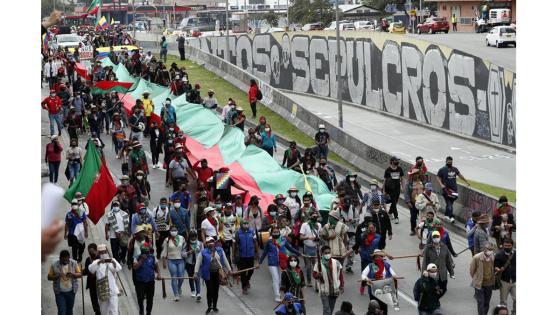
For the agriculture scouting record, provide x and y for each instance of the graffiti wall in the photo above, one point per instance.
(424, 82)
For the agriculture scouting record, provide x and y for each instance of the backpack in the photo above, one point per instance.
(259, 94)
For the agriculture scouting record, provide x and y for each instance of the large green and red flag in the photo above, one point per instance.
(95, 183)
(93, 7)
(104, 87)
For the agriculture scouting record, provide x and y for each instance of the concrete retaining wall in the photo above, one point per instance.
(408, 78)
(365, 157)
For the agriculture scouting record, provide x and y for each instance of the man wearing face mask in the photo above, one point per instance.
(427, 201)
(156, 142)
(107, 292)
(53, 105)
(230, 224)
(179, 217)
(382, 223)
(116, 230)
(146, 271)
(130, 192)
(143, 219)
(378, 269)
(482, 273)
(438, 254)
(168, 114)
(90, 277)
(245, 249)
(163, 224)
(393, 184)
(427, 292)
(419, 168)
(137, 159)
(309, 234)
(289, 306)
(335, 234)
(447, 179)
(137, 124)
(481, 233)
(65, 273)
(148, 109)
(328, 272)
(292, 157)
(374, 194)
(202, 170)
(76, 230)
(178, 168)
(326, 174)
(505, 267)
(322, 140)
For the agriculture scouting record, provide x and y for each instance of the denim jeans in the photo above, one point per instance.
(176, 269)
(74, 169)
(193, 284)
(163, 55)
(65, 302)
(53, 171)
(328, 304)
(55, 119)
(448, 207)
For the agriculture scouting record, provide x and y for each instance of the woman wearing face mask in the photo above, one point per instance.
(292, 201)
(378, 269)
(369, 243)
(293, 281)
(277, 249)
(142, 186)
(191, 250)
(173, 247)
(268, 140)
(352, 189)
(156, 142)
(74, 157)
(254, 215)
(503, 226)
(76, 230)
(292, 157)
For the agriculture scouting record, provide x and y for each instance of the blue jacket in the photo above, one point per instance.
(366, 251)
(181, 220)
(245, 243)
(281, 310)
(185, 198)
(271, 251)
(146, 271)
(470, 226)
(206, 259)
(268, 142)
(371, 274)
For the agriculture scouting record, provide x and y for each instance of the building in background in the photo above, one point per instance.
(467, 11)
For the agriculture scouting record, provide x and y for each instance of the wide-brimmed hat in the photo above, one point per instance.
(374, 182)
(334, 214)
(139, 229)
(293, 188)
(101, 247)
(136, 144)
(378, 252)
(208, 209)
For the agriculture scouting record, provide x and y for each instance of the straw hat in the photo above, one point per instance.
(483, 219)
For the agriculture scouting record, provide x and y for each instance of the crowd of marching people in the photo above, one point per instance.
(206, 234)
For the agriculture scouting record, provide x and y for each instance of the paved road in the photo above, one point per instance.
(458, 300)
(405, 140)
(475, 44)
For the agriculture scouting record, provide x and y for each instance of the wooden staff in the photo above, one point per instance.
(369, 281)
(171, 278)
(82, 281)
(163, 288)
(243, 270)
(343, 256)
(402, 257)
(464, 250)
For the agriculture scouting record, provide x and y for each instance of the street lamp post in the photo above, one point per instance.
(227, 31)
(338, 69)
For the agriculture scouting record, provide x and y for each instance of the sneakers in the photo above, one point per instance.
(209, 310)
(449, 219)
(215, 309)
(349, 270)
(396, 220)
(154, 166)
(193, 294)
(176, 299)
(244, 291)
(198, 297)
(412, 233)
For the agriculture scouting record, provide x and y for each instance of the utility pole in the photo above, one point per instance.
(133, 20)
(288, 13)
(227, 31)
(338, 69)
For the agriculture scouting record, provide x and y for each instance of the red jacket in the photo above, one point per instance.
(203, 173)
(253, 93)
(53, 105)
(53, 153)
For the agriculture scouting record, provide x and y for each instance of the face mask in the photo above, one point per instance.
(275, 235)
(53, 95)
(327, 256)
(376, 210)
(321, 130)
(293, 264)
(352, 179)
(167, 102)
(74, 207)
(173, 233)
(293, 194)
(373, 187)
(116, 209)
(273, 214)
(433, 275)
(142, 211)
(449, 164)
(267, 129)
(436, 240)
(139, 177)
(104, 256)
(177, 205)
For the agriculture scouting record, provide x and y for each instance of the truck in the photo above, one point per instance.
(496, 17)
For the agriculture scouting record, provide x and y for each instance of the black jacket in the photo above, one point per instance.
(509, 274)
(427, 293)
(382, 223)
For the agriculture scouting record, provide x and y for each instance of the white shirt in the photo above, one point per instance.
(305, 231)
(230, 226)
(292, 204)
(365, 273)
(101, 269)
(225, 112)
(120, 223)
(208, 228)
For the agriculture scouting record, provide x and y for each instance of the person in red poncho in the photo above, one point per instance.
(203, 171)
(420, 167)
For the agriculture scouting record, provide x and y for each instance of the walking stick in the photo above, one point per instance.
(243, 270)
(464, 250)
(163, 288)
(82, 281)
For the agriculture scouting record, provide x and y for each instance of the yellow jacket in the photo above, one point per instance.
(148, 106)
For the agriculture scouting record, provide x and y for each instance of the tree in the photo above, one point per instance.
(303, 11)
(271, 18)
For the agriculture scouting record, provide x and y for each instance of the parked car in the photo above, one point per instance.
(363, 25)
(295, 27)
(276, 30)
(347, 27)
(332, 26)
(312, 27)
(433, 25)
(501, 36)
(397, 28)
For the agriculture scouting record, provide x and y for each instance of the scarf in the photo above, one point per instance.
(380, 268)
(175, 240)
(370, 237)
(212, 221)
(294, 275)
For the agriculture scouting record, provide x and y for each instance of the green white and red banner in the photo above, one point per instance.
(104, 87)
